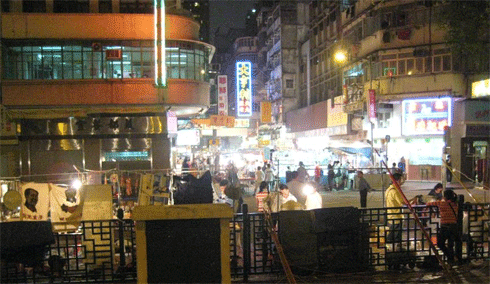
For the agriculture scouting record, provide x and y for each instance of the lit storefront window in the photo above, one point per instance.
(102, 60)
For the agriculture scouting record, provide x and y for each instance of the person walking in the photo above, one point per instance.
(363, 187)
(318, 173)
(259, 178)
(302, 173)
(449, 173)
(448, 231)
(269, 176)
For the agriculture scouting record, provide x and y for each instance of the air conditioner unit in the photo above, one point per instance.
(386, 37)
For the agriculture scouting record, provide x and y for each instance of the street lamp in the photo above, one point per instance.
(340, 56)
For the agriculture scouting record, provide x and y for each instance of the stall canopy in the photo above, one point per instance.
(353, 148)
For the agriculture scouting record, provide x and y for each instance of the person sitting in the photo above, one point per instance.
(261, 195)
(436, 192)
(276, 199)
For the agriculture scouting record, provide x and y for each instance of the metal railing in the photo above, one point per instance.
(105, 251)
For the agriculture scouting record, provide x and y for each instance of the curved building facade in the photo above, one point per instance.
(78, 87)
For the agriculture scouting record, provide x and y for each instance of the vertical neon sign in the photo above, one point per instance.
(244, 88)
(160, 64)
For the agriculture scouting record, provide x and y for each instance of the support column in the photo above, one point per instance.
(94, 6)
(115, 6)
(91, 154)
(49, 6)
(161, 152)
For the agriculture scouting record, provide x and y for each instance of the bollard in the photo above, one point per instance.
(246, 242)
(122, 253)
(459, 243)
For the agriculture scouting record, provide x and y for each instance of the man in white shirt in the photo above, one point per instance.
(259, 177)
(277, 199)
(269, 177)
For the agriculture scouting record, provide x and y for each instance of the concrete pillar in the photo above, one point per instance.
(49, 6)
(161, 152)
(91, 154)
(115, 6)
(15, 6)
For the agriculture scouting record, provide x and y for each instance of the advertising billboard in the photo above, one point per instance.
(244, 88)
(426, 116)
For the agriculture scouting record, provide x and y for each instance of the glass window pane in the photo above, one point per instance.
(401, 67)
(437, 63)
(419, 65)
(410, 67)
(446, 63)
(77, 65)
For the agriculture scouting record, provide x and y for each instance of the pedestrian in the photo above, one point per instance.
(259, 178)
(302, 173)
(402, 165)
(330, 176)
(318, 173)
(363, 187)
(449, 173)
(261, 195)
(269, 176)
(448, 230)
(394, 202)
(436, 192)
(313, 198)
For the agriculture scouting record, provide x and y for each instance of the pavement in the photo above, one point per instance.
(474, 272)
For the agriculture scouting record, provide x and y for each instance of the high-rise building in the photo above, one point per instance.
(78, 85)
(200, 12)
(396, 86)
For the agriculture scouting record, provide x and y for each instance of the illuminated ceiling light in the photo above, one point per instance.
(203, 71)
(160, 64)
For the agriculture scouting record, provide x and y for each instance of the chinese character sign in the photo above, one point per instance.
(372, 105)
(223, 95)
(265, 112)
(244, 88)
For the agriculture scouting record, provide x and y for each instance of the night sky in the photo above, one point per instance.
(228, 13)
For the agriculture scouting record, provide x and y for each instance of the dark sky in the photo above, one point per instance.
(228, 13)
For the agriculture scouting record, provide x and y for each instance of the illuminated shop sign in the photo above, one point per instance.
(188, 137)
(426, 116)
(244, 88)
(480, 88)
(160, 64)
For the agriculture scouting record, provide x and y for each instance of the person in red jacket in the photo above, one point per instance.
(448, 230)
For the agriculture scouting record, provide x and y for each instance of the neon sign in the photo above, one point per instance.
(244, 88)
(426, 116)
(160, 64)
